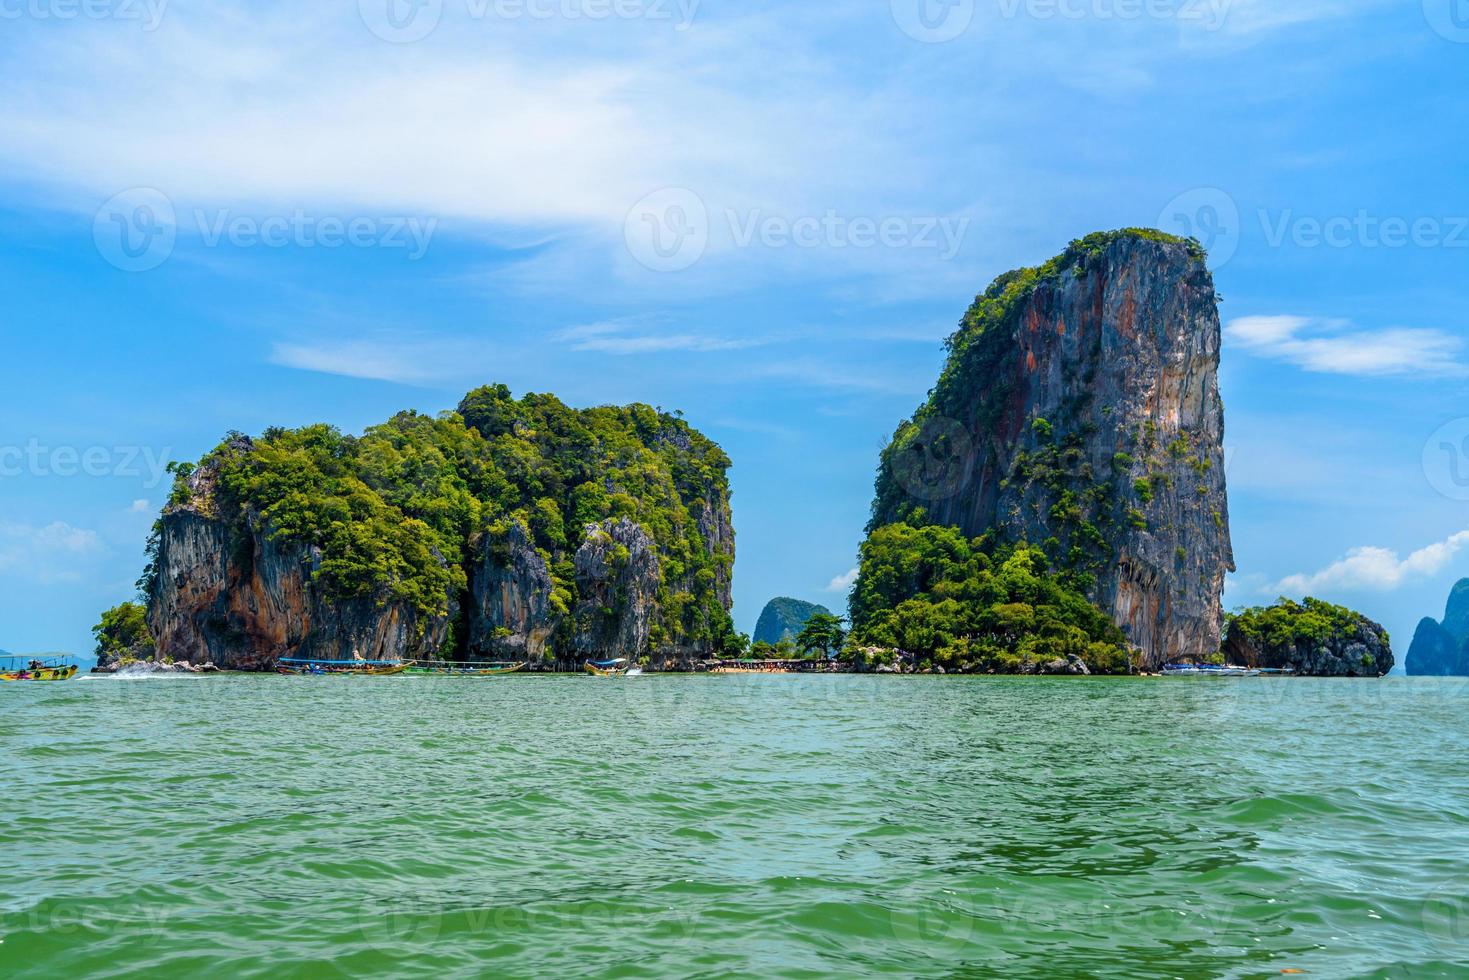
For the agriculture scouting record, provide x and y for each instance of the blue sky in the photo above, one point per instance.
(336, 214)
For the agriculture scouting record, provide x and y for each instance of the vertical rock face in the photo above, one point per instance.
(1080, 410)
(617, 578)
(511, 610)
(240, 598)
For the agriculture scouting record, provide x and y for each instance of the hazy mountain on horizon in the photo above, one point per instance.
(785, 617)
(1441, 649)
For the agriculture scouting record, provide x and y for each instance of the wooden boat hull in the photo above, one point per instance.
(467, 671)
(42, 674)
(596, 671)
(384, 671)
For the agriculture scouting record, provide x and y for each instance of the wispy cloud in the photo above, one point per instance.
(623, 338)
(1334, 347)
(49, 554)
(410, 361)
(836, 377)
(1377, 569)
(843, 583)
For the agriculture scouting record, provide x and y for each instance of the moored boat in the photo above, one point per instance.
(1208, 670)
(468, 669)
(357, 668)
(32, 669)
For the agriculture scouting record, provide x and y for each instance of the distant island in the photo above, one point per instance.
(784, 618)
(1441, 649)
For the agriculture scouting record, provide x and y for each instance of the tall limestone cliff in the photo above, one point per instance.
(508, 530)
(1079, 411)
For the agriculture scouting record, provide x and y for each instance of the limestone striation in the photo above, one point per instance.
(1079, 411)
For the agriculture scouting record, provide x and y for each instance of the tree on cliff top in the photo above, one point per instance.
(122, 634)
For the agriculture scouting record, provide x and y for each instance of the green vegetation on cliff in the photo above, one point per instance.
(122, 634)
(1311, 637)
(1289, 623)
(975, 606)
(400, 512)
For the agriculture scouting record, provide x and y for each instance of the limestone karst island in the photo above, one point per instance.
(1058, 505)
(564, 489)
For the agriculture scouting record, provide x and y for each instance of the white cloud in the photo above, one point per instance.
(1377, 569)
(403, 360)
(1331, 347)
(844, 582)
(624, 339)
(50, 554)
(138, 507)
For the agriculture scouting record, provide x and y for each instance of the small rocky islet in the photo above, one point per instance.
(1057, 505)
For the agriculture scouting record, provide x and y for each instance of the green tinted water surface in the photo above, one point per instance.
(723, 826)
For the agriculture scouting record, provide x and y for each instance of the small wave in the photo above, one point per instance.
(141, 673)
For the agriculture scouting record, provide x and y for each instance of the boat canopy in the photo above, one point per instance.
(609, 663)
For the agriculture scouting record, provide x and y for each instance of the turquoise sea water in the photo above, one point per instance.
(734, 826)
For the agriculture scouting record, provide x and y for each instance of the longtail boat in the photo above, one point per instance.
(31, 669)
(607, 668)
(466, 669)
(358, 668)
